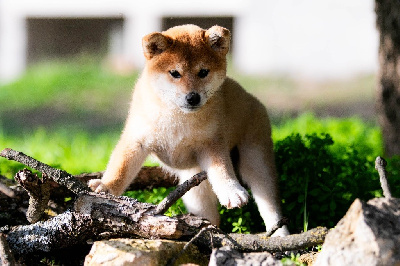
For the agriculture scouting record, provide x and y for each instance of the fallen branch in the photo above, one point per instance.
(279, 224)
(164, 205)
(380, 166)
(260, 242)
(59, 176)
(97, 216)
(148, 177)
(38, 191)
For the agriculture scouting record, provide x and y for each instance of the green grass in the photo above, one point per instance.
(79, 84)
(74, 151)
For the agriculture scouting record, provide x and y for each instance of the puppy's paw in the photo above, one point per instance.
(97, 186)
(234, 196)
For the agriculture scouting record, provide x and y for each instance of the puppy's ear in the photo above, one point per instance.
(219, 39)
(154, 44)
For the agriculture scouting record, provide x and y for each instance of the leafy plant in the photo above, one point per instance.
(238, 226)
(314, 175)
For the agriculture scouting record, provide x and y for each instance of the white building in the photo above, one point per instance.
(301, 38)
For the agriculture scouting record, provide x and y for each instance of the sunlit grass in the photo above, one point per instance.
(78, 84)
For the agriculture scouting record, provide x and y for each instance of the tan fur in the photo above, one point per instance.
(187, 139)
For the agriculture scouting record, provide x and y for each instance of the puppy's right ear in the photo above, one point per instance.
(154, 44)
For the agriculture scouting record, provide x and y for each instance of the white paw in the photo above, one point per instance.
(97, 186)
(233, 196)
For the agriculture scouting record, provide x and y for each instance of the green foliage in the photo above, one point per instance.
(352, 131)
(244, 220)
(315, 175)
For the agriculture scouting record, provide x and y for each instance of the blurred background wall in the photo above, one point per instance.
(313, 39)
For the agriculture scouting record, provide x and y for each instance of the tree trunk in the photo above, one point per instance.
(388, 89)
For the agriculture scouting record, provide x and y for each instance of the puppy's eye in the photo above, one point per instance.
(203, 73)
(175, 74)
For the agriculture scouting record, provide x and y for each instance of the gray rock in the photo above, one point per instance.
(230, 257)
(142, 252)
(369, 234)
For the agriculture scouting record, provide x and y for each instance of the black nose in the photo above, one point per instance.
(193, 98)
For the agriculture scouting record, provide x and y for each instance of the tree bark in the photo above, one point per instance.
(98, 216)
(388, 88)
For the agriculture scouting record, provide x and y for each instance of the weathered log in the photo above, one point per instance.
(260, 242)
(97, 216)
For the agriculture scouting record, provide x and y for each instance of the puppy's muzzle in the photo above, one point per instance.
(193, 99)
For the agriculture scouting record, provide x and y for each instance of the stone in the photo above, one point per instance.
(308, 258)
(369, 234)
(229, 256)
(142, 252)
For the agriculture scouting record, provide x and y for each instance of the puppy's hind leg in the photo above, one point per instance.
(200, 200)
(257, 169)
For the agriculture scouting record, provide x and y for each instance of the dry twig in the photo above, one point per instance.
(179, 192)
(148, 177)
(38, 191)
(259, 242)
(380, 166)
(59, 176)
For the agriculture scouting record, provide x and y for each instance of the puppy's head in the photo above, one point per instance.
(187, 64)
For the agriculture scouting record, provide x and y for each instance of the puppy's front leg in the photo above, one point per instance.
(221, 176)
(125, 163)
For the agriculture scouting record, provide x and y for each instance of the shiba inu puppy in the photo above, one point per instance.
(189, 115)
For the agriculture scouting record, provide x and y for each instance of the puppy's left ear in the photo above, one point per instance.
(219, 39)
(154, 44)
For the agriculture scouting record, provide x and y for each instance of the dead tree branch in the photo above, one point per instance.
(279, 224)
(148, 177)
(97, 216)
(59, 176)
(179, 192)
(260, 242)
(38, 191)
(380, 166)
